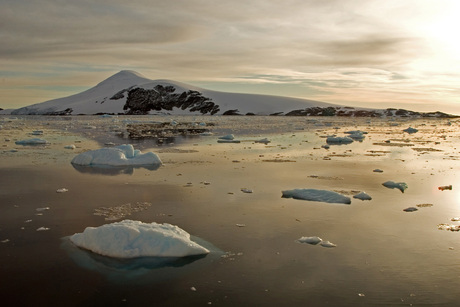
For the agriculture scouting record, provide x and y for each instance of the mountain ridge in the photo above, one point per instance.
(129, 92)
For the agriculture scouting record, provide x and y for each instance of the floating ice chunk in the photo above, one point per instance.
(70, 146)
(123, 155)
(356, 135)
(245, 190)
(396, 185)
(410, 209)
(42, 209)
(310, 240)
(338, 140)
(131, 239)
(377, 170)
(362, 196)
(37, 132)
(227, 137)
(263, 141)
(327, 244)
(317, 195)
(410, 130)
(42, 229)
(34, 141)
(228, 141)
(62, 190)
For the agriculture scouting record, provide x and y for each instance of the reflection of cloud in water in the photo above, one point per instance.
(140, 270)
(112, 170)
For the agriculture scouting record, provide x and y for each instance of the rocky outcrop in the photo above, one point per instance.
(352, 112)
(165, 98)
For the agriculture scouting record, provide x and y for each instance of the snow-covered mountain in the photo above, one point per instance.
(130, 92)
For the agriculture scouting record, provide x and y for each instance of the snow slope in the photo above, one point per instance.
(97, 99)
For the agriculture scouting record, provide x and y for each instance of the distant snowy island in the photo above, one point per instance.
(130, 93)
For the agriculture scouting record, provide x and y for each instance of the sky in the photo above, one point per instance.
(367, 53)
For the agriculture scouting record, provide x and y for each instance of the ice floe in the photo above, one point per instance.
(131, 239)
(123, 155)
(362, 196)
(395, 185)
(70, 146)
(410, 209)
(62, 190)
(317, 195)
(410, 130)
(34, 141)
(310, 240)
(337, 140)
(227, 137)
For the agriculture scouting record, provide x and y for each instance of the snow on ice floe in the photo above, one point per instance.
(317, 195)
(123, 155)
(132, 239)
(34, 141)
(337, 140)
(395, 185)
(362, 196)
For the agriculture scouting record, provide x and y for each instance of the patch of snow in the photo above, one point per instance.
(123, 155)
(131, 239)
(34, 141)
(317, 195)
(396, 185)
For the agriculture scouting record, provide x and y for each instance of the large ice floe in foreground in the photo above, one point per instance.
(317, 195)
(132, 239)
(395, 185)
(123, 155)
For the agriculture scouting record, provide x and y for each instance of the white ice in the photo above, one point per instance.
(317, 195)
(131, 239)
(310, 240)
(122, 155)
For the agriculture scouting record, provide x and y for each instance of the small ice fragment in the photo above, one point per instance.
(28, 221)
(327, 244)
(42, 229)
(455, 219)
(228, 137)
(62, 190)
(310, 240)
(410, 209)
(264, 141)
(377, 170)
(244, 190)
(193, 288)
(398, 185)
(35, 141)
(241, 225)
(446, 187)
(362, 196)
(410, 130)
(70, 146)
(229, 141)
(5, 241)
(37, 132)
(361, 294)
(317, 195)
(42, 209)
(338, 140)
(326, 146)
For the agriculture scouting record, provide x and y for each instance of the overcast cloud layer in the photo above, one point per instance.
(370, 53)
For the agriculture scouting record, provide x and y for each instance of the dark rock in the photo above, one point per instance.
(141, 101)
(232, 112)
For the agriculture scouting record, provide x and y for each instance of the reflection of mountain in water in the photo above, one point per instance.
(139, 270)
(112, 170)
